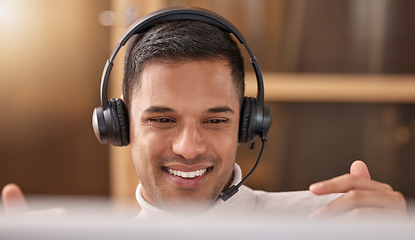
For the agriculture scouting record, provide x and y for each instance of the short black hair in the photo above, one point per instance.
(180, 41)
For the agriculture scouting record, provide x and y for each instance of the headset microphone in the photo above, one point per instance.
(228, 193)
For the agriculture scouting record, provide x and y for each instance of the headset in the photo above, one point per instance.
(111, 122)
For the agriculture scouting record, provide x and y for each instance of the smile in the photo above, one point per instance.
(183, 174)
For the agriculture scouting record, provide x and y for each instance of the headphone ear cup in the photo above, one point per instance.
(244, 120)
(121, 123)
(98, 123)
(255, 120)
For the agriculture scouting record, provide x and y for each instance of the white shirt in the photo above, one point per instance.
(248, 202)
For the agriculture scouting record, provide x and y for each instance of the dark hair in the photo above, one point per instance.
(180, 41)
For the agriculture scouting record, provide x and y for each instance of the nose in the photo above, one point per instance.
(189, 143)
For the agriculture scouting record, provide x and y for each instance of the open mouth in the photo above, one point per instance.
(188, 175)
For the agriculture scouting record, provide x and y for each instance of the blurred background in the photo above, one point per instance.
(339, 76)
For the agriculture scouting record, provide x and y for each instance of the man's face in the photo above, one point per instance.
(184, 132)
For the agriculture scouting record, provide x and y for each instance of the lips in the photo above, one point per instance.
(189, 177)
(184, 174)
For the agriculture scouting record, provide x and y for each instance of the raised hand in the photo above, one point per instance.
(14, 204)
(362, 198)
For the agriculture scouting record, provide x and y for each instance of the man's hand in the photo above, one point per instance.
(13, 200)
(362, 196)
(14, 204)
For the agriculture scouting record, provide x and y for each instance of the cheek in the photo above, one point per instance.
(146, 148)
(225, 146)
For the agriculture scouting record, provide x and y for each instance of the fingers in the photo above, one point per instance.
(361, 195)
(15, 205)
(347, 182)
(359, 178)
(359, 168)
(357, 202)
(13, 200)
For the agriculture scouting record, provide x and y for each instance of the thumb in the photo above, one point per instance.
(359, 168)
(13, 200)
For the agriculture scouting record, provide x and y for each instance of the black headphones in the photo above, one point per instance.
(111, 122)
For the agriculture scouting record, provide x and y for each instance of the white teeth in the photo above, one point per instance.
(187, 174)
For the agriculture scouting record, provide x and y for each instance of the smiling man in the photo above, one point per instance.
(183, 90)
(184, 151)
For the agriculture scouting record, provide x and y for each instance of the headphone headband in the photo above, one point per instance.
(175, 14)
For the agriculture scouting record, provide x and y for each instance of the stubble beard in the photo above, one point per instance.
(184, 202)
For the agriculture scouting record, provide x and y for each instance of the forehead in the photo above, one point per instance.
(185, 83)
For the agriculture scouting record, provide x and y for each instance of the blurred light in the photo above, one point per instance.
(106, 18)
(402, 134)
(8, 13)
(130, 15)
(111, 18)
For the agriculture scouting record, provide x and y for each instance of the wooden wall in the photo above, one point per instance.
(52, 56)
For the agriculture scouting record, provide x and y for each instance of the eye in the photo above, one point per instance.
(216, 122)
(161, 122)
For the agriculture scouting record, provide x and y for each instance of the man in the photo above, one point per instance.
(183, 87)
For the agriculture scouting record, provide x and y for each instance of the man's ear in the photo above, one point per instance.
(122, 97)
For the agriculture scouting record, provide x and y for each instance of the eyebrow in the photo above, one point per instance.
(222, 109)
(160, 109)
